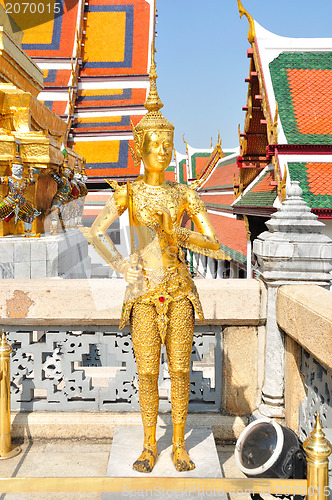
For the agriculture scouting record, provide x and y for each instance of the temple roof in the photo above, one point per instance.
(260, 193)
(95, 59)
(222, 177)
(315, 181)
(217, 194)
(232, 236)
(297, 74)
(288, 121)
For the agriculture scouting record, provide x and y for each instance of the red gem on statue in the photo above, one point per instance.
(161, 299)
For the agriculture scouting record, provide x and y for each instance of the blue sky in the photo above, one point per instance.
(201, 59)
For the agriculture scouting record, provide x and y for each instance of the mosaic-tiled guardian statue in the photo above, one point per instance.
(14, 204)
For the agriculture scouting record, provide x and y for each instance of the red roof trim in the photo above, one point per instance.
(323, 213)
(259, 211)
(298, 149)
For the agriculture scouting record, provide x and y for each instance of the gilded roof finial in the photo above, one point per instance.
(219, 139)
(251, 32)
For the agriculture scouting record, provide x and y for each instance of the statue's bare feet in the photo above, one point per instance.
(181, 459)
(146, 460)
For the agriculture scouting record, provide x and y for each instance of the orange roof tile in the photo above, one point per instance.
(217, 199)
(231, 232)
(222, 176)
(320, 178)
(264, 184)
(311, 91)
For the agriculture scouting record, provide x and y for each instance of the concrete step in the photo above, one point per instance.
(100, 426)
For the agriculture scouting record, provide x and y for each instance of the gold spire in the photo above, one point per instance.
(153, 102)
(251, 32)
(5, 348)
(153, 118)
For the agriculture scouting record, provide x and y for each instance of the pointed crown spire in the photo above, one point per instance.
(153, 118)
(153, 102)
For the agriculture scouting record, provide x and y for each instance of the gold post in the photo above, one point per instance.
(318, 449)
(6, 450)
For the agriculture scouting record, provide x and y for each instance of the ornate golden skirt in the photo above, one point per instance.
(160, 287)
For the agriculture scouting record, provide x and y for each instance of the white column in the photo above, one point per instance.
(249, 268)
(292, 251)
(221, 268)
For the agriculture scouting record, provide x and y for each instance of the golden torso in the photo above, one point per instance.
(157, 248)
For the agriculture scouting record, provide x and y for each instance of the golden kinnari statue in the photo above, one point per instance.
(161, 297)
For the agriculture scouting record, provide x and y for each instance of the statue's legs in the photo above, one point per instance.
(54, 216)
(179, 341)
(146, 342)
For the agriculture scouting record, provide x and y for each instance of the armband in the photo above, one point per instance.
(181, 234)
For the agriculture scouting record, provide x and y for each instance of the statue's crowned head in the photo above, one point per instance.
(154, 120)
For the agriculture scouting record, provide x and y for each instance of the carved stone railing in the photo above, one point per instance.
(69, 355)
(304, 313)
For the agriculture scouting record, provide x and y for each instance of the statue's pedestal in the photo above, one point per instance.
(63, 255)
(127, 446)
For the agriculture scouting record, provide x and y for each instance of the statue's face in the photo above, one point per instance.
(157, 149)
(66, 172)
(17, 169)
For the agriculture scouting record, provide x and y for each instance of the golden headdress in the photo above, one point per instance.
(154, 119)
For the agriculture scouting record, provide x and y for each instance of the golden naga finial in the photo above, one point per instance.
(251, 32)
(275, 125)
(185, 142)
(174, 152)
(281, 181)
